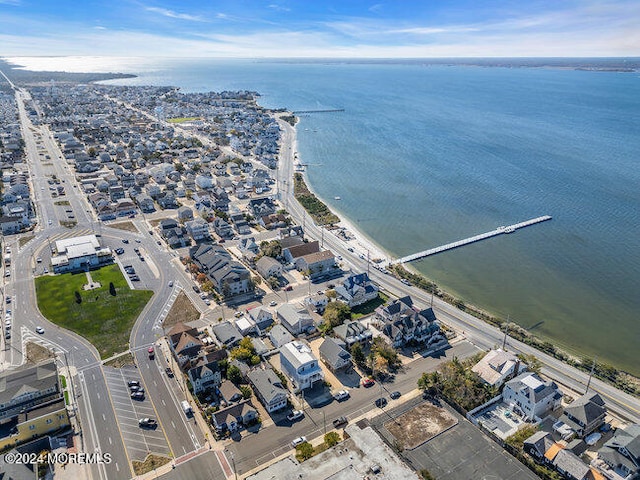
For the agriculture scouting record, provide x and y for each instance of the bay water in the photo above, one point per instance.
(426, 155)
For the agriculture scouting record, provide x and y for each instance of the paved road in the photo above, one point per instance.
(275, 440)
(476, 330)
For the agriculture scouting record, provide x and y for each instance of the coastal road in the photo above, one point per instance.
(477, 331)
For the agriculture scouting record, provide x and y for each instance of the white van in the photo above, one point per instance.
(186, 408)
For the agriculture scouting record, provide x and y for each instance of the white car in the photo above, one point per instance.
(273, 303)
(39, 330)
(298, 441)
(171, 284)
(341, 395)
(295, 415)
(207, 301)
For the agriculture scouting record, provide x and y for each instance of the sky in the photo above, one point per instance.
(321, 28)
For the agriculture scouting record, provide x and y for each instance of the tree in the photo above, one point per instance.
(331, 439)
(271, 249)
(201, 277)
(234, 374)
(246, 391)
(112, 289)
(78, 297)
(273, 282)
(336, 313)
(304, 451)
(357, 354)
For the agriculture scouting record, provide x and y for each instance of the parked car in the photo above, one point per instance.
(295, 415)
(395, 395)
(341, 395)
(273, 303)
(288, 288)
(368, 382)
(124, 240)
(131, 383)
(136, 388)
(137, 395)
(298, 441)
(170, 283)
(147, 423)
(340, 421)
(169, 372)
(381, 402)
(195, 288)
(7, 336)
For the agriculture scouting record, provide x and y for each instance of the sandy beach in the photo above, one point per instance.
(358, 241)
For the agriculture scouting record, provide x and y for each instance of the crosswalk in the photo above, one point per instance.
(30, 336)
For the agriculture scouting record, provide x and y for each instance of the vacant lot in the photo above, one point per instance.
(128, 226)
(37, 353)
(420, 424)
(182, 311)
(102, 318)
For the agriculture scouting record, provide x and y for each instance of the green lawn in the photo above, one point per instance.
(101, 318)
(369, 307)
(183, 119)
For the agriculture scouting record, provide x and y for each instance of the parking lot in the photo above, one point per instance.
(138, 441)
(462, 451)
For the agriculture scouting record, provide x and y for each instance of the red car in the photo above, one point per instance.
(368, 382)
(151, 352)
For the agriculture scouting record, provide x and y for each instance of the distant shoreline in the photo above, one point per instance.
(20, 74)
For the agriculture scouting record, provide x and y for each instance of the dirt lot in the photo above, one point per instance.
(420, 424)
(36, 353)
(182, 310)
(128, 226)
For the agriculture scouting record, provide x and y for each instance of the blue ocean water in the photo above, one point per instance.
(425, 155)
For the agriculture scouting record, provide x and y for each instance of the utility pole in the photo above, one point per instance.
(504, 340)
(368, 265)
(593, 366)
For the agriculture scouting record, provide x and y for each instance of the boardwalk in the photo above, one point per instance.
(450, 246)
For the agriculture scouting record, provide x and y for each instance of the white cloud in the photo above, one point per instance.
(10, 2)
(172, 14)
(278, 8)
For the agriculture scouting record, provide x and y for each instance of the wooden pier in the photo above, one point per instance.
(450, 246)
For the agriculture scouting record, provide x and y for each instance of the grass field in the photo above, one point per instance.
(101, 318)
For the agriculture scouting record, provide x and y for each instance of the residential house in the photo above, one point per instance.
(333, 354)
(269, 389)
(198, 229)
(585, 414)
(185, 214)
(184, 343)
(353, 332)
(530, 396)
(173, 233)
(279, 336)
(268, 267)
(248, 248)
(498, 366)
(570, 465)
(222, 228)
(621, 453)
(295, 319)
(259, 207)
(402, 322)
(356, 290)
(145, 202)
(317, 302)
(292, 231)
(228, 276)
(233, 417)
(228, 393)
(276, 220)
(300, 365)
(538, 444)
(298, 248)
(205, 374)
(227, 334)
(262, 317)
(11, 225)
(245, 325)
(316, 264)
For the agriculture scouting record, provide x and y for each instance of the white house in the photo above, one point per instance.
(80, 253)
(269, 389)
(268, 267)
(530, 396)
(300, 365)
(498, 366)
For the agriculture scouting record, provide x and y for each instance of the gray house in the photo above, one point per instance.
(233, 417)
(296, 320)
(269, 389)
(227, 333)
(279, 336)
(585, 414)
(622, 452)
(334, 355)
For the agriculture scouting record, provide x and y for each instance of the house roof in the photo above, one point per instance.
(627, 439)
(280, 335)
(297, 353)
(533, 386)
(587, 408)
(552, 451)
(572, 464)
(542, 441)
(303, 249)
(267, 384)
(227, 333)
(291, 317)
(333, 353)
(316, 257)
(495, 365)
(265, 262)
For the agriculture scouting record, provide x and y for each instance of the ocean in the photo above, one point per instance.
(426, 155)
